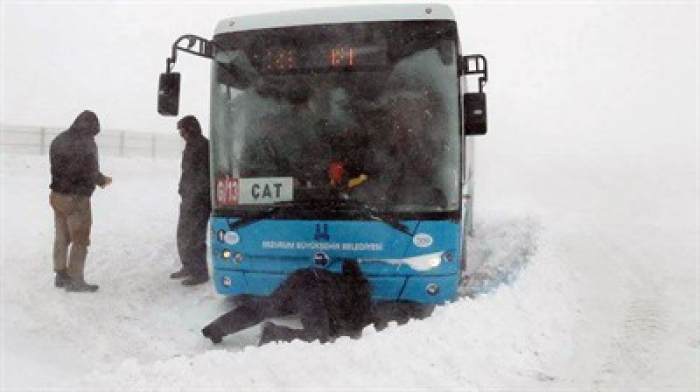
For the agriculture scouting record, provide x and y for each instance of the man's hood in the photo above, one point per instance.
(86, 124)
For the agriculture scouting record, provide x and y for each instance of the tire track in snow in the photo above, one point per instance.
(633, 353)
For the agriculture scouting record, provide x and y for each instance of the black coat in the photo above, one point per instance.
(194, 181)
(74, 159)
(344, 298)
(329, 305)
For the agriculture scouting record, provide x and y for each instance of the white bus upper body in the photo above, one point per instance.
(336, 15)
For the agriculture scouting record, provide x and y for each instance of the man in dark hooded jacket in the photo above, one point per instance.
(75, 172)
(329, 305)
(195, 205)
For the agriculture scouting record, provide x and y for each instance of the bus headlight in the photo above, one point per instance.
(419, 263)
(434, 262)
(226, 281)
(226, 254)
(238, 257)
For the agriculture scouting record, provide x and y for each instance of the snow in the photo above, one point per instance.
(587, 229)
(142, 330)
(603, 295)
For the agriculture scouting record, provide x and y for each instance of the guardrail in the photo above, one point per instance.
(32, 140)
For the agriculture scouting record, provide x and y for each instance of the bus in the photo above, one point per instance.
(336, 134)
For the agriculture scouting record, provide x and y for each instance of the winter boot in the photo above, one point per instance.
(81, 286)
(194, 280)
(268, 334)
(61, 279)
(212, 333)
(182, 273)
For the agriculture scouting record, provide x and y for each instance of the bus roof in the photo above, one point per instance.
(336, 15)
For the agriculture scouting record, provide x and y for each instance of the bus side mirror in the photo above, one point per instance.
(169, 94)
(474, 114)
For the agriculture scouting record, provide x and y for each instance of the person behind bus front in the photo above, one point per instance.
(195, 205)
(287, 143)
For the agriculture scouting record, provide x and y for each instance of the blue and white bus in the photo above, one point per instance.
(340, 133)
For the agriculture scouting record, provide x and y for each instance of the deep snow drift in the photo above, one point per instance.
(598, 297)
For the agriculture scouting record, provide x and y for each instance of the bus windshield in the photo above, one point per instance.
(367, 112)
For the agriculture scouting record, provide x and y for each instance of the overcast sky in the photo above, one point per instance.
(60, 57)
(632, 61)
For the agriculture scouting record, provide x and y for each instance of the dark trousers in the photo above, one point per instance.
(192, 235)
(284, 301)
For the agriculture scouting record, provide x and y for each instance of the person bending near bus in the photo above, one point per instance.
(75, 172)
(329, 305)
(195, 204)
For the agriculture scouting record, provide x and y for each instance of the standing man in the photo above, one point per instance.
(195, 205)
(75, 172)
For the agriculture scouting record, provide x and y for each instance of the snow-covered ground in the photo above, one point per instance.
(587, 226)
(600, 291)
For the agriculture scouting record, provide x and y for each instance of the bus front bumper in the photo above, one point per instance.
(427, 289)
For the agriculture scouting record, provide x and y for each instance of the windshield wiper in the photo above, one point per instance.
(368, 213)
(268, 213)
(334, 204)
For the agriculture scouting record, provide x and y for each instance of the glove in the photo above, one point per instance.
(107, 182)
